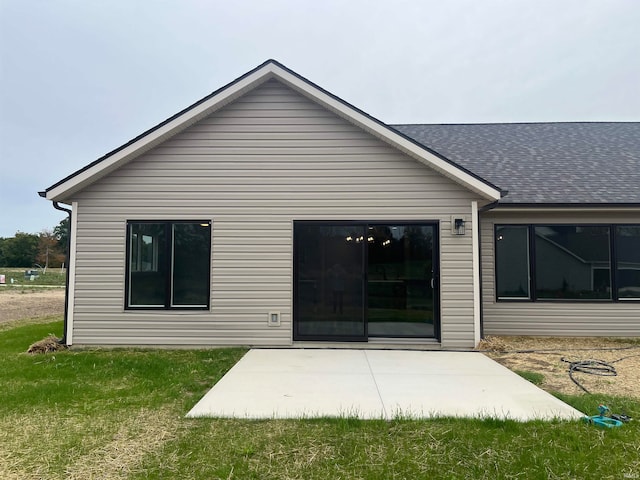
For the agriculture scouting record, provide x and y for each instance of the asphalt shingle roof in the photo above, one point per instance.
(565, 163)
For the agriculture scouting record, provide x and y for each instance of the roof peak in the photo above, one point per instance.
(270, 69)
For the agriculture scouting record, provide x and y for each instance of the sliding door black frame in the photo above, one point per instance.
(365, 293)
(296, 272)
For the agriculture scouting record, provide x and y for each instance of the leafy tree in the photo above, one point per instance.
(2, 260)
(61, 233)
(49, 252)
(19, 251)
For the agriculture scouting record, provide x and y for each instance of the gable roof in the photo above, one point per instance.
(271, 69)
(589, 164)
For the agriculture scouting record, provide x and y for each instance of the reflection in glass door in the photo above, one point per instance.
(400, 281)
(358, 280)
(329, 269)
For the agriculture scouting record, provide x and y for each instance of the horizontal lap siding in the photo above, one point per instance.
(552, 318)
(254, 167)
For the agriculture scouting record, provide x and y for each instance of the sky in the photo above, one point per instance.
(79, 78)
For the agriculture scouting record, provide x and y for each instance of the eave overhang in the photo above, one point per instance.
(566, 207)
(271, 69)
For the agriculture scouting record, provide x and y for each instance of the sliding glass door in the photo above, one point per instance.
(329, 270)
(358, 280)
(400, 283)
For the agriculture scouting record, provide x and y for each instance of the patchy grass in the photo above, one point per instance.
(12, 324)
(353, 449)
(544, 355)
(94, 413)
(534, 377)
(120, 414)
(54, 277)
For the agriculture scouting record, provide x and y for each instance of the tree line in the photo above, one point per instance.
(45, 249)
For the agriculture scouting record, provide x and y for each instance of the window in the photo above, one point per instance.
(512, 262)
(567, 262)
(572, 262)
(628, 261)
(144, 251)
(168, 264)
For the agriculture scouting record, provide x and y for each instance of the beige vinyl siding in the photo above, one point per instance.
(252, 168)
(552, 317)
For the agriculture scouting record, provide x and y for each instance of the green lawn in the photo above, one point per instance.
(120, 414)
(54, 277)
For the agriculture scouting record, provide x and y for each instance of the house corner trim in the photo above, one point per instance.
(475, 245)
(72, 273)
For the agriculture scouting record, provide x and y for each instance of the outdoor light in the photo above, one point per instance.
(458, 226)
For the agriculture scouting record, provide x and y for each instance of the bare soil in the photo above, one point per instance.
(544, 355)
(21, 304)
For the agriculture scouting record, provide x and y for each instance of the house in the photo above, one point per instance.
(272, 213)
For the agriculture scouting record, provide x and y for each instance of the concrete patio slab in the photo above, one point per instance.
(374, 384)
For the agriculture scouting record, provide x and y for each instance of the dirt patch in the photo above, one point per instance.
(21, 304)
(544, 355)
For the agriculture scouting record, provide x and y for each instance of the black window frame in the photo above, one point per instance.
(168, 232)
(529, 259)
(613, 263)
(616, 271)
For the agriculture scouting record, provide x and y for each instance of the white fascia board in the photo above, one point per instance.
(270, 70)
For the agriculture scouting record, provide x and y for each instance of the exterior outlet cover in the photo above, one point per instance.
(274, 319)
